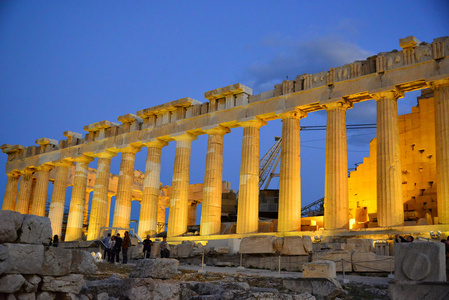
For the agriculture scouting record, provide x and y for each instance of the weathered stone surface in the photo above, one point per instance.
(161, 268)
(335, 256)
(72, 283)
(421, 290)
(257, 244)
(222, 250)
(319, 287)
(359, 244)
(25, 259)
(10, 224)
(103, 296)
(420, 261)
(295, 245)
(25, 296)
(35, 230)
(136, 252)
(57, 262)
(185, 249)
(83, 263)
(4, 256)
(11, 283)
(45, 296)
(278, 244)
(155, 250)
(147, 288)
(112, 285)
(31, 283)
(320, 269)
(370, 262)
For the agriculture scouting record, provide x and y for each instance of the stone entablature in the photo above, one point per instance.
(413, 68)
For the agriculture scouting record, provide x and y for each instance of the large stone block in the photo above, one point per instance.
(25, 259)
(31, 283)
(136, 252)
(4, 257)
(420, 290)
(83, 263)
(295, 245)
(335, 256)
(10, 224)
(72, 283)
(57, 262)
(322, 288)
(156, 250)
(155, 289)
(320, 269)
(185, 249)
(257, 244)
(359, 244)
(420, 261)
(371, 262)
(155, 268)
(11, 283)
(35, 230)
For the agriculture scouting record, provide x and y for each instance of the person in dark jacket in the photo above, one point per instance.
(400, 239)
(125, 246)
(147, 243)
(55, 241)
(117, 247)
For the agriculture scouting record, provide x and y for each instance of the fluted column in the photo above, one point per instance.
(76, 211)
(248, 203)
(336, 206)
(86, 211)
(108, 210)
(24, 194)
(98, 211)
(56, 213)
(441, 96)
(180, 187)
(40, 193)
(150, 192)
(212, 189)
(289, 217)
(390, 211)
(9, 200)
(122, 211)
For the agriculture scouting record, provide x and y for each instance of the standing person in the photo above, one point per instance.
(147, 243)
(165, 248)
(55, 241)
(111, 250)
(125, 246)
(107, 245)
(118, 247)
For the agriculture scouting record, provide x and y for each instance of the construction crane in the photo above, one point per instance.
(269, 162)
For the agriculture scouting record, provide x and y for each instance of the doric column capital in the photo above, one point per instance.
(252, 122)
(106, 154)
(84, 159)
(13, 173)
(220, 130)
(293, 114)
(439, 83)
(390, 94)
(156, 143)
(45, 167)
(63, 163)
(343, 104)
(130, 149)
(28, 171)
(185, 137)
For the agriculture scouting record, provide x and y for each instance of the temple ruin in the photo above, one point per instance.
(384, 78)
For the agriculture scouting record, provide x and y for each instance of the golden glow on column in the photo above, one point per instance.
(98, 211)
(24, 194)
(441, 95)
(9, 201)
(290, 174)
(56, 213)
(336, 202)
(180, 187)
(390, 211)
(76, 211)
(108, 211)
(122, 211)
(212, 189)
(150, 193)
(41, 190)
(248, 205)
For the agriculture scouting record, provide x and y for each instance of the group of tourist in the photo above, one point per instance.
(165, 248)
(114, 245)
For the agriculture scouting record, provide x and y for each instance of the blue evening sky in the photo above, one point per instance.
(66, 64)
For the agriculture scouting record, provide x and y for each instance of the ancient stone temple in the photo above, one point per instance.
(383, 78)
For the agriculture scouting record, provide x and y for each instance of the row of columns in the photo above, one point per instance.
(389, 183)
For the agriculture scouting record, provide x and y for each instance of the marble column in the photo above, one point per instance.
(12, 184)
(108, 210)
(86, 212)
(41, 191)
(289, 217)
(150, 192)
(212, 189)
(76, 211)
(161, 214)
(336, 201)
(180, 187)
(191, 214)
(390, 210)
(56, 213)
(248, 203)
(24, 194)
(122, 211)
(33, 188)
(98, 211)
(441, 103)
